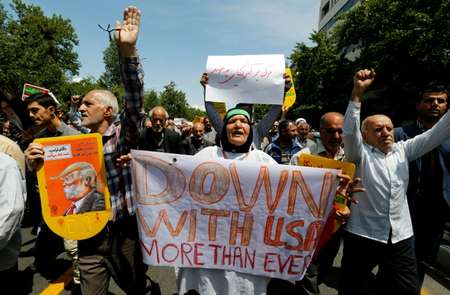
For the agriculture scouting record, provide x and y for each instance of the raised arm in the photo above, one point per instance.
(352, 137)
(126, 36)
(211, 112)
(425, 142)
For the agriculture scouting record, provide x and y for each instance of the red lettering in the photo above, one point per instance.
(268, 232)
(166, 249)
(184, 252)
(312, 235)
(268, 261)
(237, 254)
(216, 252)
(292, 265)
(290, 229)
(164, 217)
(149, 252)
(198, 253)
(250, 260)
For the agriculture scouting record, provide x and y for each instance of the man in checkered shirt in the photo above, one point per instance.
(115, 251)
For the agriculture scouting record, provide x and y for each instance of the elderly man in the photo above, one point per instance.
(115, 251)
(197, 142)
(329, 146)
(429, 178)
(303, 132)
(379, 230)
(158, 138)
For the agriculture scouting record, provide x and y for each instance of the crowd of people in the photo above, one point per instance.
(395, 221)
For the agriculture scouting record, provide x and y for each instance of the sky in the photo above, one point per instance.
(177, 36)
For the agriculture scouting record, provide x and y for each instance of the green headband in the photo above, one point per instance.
(234, 112)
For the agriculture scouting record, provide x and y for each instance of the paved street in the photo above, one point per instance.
(437, 283)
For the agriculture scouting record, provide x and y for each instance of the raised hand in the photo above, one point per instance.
(361, 82)
(127, 31)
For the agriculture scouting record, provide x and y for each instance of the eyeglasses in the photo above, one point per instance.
(333, 131)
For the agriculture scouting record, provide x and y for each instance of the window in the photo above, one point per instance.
(325, 8)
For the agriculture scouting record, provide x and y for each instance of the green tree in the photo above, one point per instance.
(406, 41)
(174, 101)
(111, 75)
(35, 48)
(321, 77)
(151, 99)
(193, 113)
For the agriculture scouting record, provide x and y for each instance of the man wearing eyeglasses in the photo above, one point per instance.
(329, 146)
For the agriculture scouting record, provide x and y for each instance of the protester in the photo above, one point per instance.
(379, 230)
(270, 136)
(236, 143)
(261, 128)
(12, 200)
(73, 117)
(115, 250)
(210, 133)
(329, 146)
(158, 138)
(196, 142)
(285, 145)
(303, 134)
(429, 178)
(42, 109)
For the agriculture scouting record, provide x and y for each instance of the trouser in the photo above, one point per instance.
(319, 267)
(114, 252)
(397, 267)
(71, 247)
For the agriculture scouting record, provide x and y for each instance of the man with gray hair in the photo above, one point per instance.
(379, 230)
(158, 138)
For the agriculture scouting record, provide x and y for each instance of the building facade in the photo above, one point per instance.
(330, 11)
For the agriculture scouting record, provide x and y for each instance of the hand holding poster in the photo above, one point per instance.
(238, 215)
(72, 185)
(254, 79)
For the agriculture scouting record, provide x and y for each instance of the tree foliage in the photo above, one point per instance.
(35, 48)
(406, 41)
(111, 75)
(174, 101)
(320, 78)
(151, 99)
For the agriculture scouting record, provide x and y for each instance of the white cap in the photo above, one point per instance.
(300, 120)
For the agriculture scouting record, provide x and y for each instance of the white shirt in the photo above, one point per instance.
(12, 204)
(217, 281)
(385, 177)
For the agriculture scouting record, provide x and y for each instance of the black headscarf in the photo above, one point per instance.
(226, 145)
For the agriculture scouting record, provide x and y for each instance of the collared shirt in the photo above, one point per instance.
(63, 130)
(12, 203)
(383, 207)
(123, 135)
(318, 149)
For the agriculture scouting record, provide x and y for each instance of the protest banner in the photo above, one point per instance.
(289, 96)
(254, 79)
(244, 216)
(72, 185)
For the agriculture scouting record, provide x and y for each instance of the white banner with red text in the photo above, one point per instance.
(244, 216)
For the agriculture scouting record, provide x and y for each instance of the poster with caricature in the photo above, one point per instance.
(72, 185)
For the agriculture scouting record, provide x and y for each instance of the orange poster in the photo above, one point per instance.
(72, 185)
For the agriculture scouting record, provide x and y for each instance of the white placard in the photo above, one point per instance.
(238, 215)
(254, 79)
